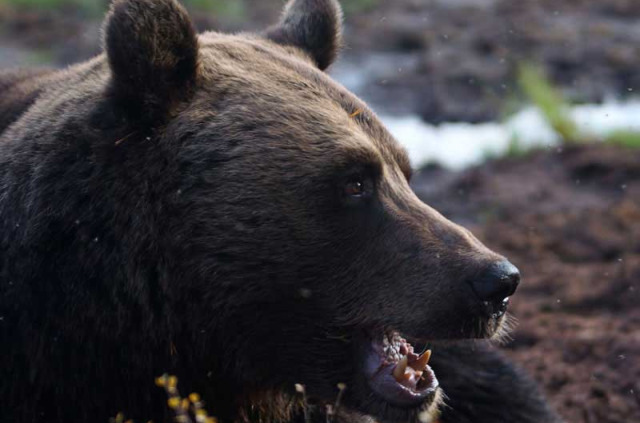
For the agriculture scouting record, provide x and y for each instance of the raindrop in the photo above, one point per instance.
(623, 186)
(622, 357)
(95, 239)
(558, 301)
(630, 89)
(305, 293)
(77, 222)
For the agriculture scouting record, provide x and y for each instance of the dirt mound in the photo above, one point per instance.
(468, 51)
(570, 219)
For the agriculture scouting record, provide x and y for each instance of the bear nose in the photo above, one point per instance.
(496, 283)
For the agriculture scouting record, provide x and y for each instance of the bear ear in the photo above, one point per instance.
(315, 26)
(152, 48)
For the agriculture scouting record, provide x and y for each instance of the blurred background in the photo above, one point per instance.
(523, 120)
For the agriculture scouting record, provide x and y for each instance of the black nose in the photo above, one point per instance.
(497, 282)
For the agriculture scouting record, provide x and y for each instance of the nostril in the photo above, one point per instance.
(496, 282)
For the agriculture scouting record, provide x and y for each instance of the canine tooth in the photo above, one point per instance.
(422, 361)
(398, 372)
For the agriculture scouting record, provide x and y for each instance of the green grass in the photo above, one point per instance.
(629, 139)
(351, 7)
(87, 7)
(515, 148)
(232, 9)
(539, 90)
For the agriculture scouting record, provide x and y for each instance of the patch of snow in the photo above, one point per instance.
(459, 145)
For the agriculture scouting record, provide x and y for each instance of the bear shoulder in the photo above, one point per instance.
(19, 89)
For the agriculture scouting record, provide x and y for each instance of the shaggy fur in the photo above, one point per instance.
(177, 205)
(313, 26)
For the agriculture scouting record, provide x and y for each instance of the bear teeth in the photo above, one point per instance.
(409, 368)
(401, 367)
(421, 363)
(411, 373)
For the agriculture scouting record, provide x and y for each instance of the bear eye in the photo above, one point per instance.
(358, 187)
(354, 188)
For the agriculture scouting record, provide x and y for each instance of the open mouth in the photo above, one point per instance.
(397, 373)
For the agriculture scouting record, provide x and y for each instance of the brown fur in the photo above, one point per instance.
(18, 91)
(315, 27)
(177, 204)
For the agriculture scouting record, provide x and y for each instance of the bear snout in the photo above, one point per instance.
(495, 285)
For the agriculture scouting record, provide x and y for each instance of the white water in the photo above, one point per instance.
(458, 145)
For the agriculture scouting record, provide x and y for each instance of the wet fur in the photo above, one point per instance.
(171, 206)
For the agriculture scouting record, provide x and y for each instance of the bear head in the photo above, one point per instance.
(262, 214)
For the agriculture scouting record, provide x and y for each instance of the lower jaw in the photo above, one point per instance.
(396, 375)
(382, 411)
(388, 389)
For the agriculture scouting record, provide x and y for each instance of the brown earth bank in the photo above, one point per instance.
(445, 60)
(570, 219)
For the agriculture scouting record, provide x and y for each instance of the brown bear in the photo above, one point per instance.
(216, 207)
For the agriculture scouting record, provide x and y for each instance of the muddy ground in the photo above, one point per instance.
(466, 52)
(570, 219)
